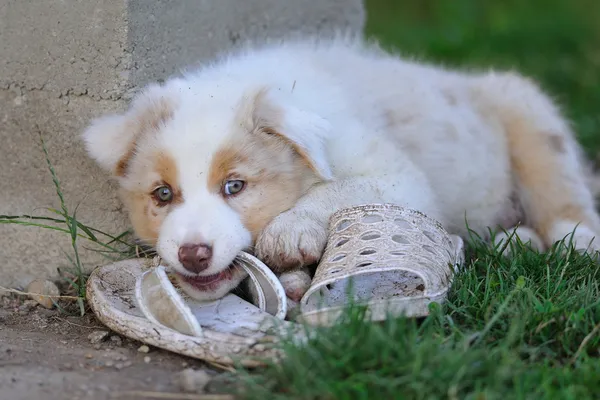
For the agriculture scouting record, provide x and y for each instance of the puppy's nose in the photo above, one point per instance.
(195, 257)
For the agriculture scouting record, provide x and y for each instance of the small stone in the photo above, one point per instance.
(119, 365)
(116, 340)
(40, 290)
(88, 355)
(144, 349)
(30, 304)
(109, 363)
(191, 380)
(27, 306)
(4, 315)
(147, 359)
(97, 336)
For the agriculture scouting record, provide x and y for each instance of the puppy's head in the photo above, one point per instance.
(201, 175)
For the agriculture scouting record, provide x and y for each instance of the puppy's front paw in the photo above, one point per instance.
(291, 241)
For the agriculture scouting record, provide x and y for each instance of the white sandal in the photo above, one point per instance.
(137, 299)
(395, 260)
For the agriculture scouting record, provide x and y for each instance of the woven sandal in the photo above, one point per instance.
(137, 299)
(395, 261)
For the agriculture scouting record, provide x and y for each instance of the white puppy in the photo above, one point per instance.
(258, 149)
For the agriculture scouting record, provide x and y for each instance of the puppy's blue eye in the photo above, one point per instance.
(233, 187)
(163, 195)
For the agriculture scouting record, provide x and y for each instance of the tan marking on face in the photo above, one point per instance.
(224, 162)
(166, 168)
(276, 176)
(149, 119)
(145, 213)
(121, 168)
(140, 208)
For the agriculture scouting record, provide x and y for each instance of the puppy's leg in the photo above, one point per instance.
(298, 237)
(526, 235)
(545, 159)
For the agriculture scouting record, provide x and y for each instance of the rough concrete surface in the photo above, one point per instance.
(64, 62)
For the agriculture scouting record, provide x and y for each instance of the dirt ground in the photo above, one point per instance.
(50, 355)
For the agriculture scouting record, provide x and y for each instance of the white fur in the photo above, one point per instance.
(376, 127)
(580, 236)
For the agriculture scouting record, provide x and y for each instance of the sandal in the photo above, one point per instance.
(137, 299)
(395, 260)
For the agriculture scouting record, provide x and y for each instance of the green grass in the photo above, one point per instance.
(520, 328)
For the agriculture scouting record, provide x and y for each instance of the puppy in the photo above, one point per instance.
(256, 150)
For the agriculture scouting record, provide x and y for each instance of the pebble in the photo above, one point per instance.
(27, 306)
(144, 349)
(191, 380)
(122, 365)
(116, 340)
(47, 288)
(147, 359)
(97, 336)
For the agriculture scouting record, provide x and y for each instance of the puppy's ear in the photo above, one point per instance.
(306, 132)
(111, 140)
(108, 141)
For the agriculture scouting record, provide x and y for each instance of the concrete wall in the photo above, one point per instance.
(64, 62)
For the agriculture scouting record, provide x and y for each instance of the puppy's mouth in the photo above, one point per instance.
(208, 282)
